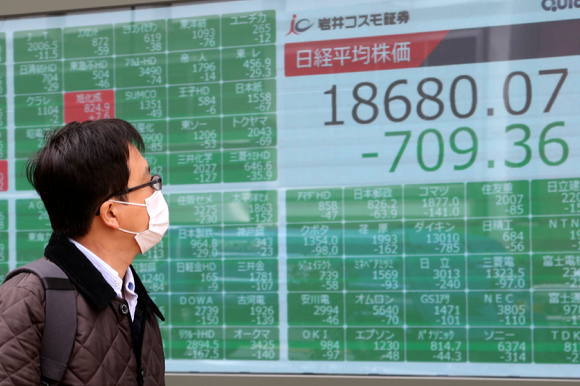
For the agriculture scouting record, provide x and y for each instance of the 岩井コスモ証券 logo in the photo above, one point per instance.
(352, 21)
(296, 27)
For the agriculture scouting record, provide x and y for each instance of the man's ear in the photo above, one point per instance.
(108, 216)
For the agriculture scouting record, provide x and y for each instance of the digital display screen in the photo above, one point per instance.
(355, 187)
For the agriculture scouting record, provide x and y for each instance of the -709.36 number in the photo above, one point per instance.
(472, 150)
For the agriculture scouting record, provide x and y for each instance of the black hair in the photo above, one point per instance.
(78, 168)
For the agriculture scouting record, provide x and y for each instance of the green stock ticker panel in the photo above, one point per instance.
(370, 188)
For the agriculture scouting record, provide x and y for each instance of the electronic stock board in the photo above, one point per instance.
(355, 187)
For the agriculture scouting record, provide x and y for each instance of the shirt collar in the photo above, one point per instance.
(129, 282)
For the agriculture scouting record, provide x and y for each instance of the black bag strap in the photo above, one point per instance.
(60, 325)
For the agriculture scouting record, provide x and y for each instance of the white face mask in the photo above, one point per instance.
(158, 221)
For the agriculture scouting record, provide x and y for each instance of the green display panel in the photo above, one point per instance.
(3, 144)
(142, 104)
(371, 188)
(253, 344)
(140, 37)
(256, 96)
(197, 343)
(30, 245)
(495, 345)
(557, 345)
(316, 344)
(41, 110)
(462, 259)
(242, 29)
(88, 74)
(88, 41)
(194, 33)
(3, 47)
(194, 66)
(4, 253)
(249, 63)
(375, 344)
(38, 77)
(140, 71)
(3, 112)
(4, 269)
(194, 134)
(195, 101)
(250, 131)
(4, 219)
(440, 345)
(254, 275)
(37, 45)
(28, 141)
(31, 215)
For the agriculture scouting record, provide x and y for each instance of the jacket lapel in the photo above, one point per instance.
(142, 294)
(87, 279)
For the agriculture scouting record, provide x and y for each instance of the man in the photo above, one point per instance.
(104, 209)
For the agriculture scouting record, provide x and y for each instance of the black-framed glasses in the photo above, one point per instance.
(155, 183)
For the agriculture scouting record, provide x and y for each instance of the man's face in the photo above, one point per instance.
(131, 217)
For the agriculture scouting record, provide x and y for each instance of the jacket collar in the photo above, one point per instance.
(87, 279)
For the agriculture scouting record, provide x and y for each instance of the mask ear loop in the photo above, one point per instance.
(133, 233)
(128, 203)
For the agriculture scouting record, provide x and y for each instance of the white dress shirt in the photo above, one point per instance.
(111, 276)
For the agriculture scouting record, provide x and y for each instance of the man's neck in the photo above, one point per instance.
(115, 256)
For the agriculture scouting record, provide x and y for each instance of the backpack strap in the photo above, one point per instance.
(60, 324)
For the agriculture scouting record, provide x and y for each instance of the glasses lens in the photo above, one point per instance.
(156, 179)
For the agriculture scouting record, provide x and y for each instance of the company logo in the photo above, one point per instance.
(351, 21)
(554, 5)
(302, 25)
